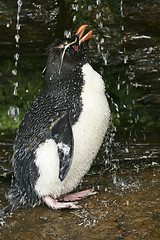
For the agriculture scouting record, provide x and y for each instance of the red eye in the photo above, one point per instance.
(75, 48)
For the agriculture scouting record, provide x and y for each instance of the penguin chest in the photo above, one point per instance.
(88, 134)
(90, 128)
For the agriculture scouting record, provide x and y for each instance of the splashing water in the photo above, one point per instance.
(108, 143)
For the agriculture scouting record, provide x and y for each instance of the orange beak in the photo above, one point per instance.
(80, 32)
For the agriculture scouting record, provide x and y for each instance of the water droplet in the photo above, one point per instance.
(89, 8)
(125, 59)
(15, 84)
(75, 7)
(14, 72)
(127, 150)
(114, 179)
(100, 25)
(122, 27)
(98, 15)
(67, 33)
(13, 112)
(105, 57)
(74, 18)
(16, 56)
(17, 37)
(98, 2)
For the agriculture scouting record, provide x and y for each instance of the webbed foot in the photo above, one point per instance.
(54, 204)
(77, 196)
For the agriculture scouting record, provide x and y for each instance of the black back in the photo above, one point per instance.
(61, 98)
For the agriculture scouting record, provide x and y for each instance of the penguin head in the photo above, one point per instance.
(67, 54)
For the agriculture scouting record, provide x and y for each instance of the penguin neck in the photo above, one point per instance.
(69, 82)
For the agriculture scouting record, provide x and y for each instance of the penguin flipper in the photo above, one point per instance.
(63, 136)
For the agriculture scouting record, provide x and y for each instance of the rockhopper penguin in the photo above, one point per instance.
(62, 130)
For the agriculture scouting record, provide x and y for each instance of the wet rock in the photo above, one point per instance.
(142, 16)
(141, 46)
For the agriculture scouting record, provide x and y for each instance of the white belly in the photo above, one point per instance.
(88, 135)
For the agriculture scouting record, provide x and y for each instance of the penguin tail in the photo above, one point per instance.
(6, 209)
(19, 199)
(14, 197)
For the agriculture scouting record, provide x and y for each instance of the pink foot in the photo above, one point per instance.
(77, 196)
(54, 204)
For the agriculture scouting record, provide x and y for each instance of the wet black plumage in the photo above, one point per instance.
(60, 100)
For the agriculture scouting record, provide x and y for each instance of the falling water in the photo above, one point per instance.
(13, 111)
(18, 26)
(17, 36)
(17, 39)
